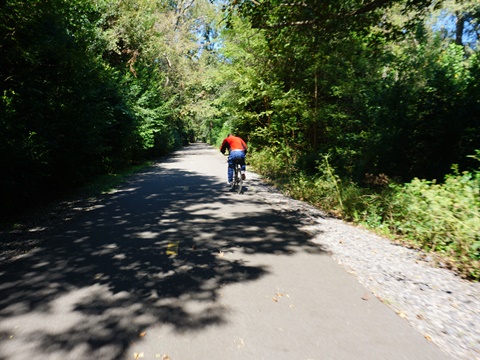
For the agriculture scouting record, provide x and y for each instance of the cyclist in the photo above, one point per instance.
(237, 149)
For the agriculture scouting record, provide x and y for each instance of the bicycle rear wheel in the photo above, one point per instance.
(238, 178)
(234, 180)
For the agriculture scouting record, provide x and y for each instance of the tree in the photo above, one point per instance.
(58, 101)
(371, 83)
(87, 87)
(459, 21)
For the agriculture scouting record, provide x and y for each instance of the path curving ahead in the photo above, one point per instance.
(173, 265)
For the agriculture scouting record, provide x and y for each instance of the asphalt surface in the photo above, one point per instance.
(173, 265)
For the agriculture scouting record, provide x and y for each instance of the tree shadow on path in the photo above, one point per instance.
(90, 290)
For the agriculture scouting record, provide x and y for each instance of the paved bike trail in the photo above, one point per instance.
(173, 265)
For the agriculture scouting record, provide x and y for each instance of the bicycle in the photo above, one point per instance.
(237, 176)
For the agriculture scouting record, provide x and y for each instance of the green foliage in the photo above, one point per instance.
(87, 87)
(332, 18)
(330, 184)
(444, 218)
(422, 112)
(59, 101)
(270, 163)
(385, 107)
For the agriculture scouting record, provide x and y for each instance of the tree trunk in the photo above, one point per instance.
(459, 28)
(314, 123)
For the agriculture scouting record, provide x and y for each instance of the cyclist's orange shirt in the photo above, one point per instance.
(233, 143)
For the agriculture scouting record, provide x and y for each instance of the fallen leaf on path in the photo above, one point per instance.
(139, 355)
(275, 299)
(241, 343)
(366, 297)
(143, 333)
(428, 338)
(166, 357)
(220, 254)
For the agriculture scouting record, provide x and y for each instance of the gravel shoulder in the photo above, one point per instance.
(440, 305)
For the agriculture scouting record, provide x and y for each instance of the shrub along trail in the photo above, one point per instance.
(173, 265)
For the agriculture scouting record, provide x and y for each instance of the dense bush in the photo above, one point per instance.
(443, 218)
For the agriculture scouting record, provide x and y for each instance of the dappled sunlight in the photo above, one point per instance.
(102, 279)
(147, 235)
